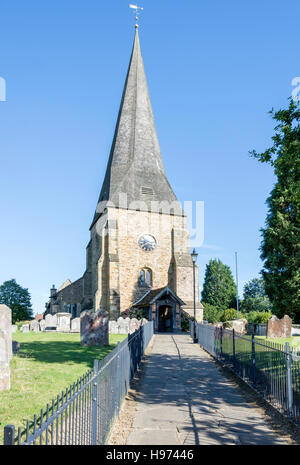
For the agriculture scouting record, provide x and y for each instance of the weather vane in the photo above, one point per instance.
(137, 12)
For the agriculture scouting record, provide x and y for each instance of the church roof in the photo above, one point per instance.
(135, 166)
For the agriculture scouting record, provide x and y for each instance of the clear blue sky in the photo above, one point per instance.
(214, 70)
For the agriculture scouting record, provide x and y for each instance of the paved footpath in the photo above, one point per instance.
(184, 400)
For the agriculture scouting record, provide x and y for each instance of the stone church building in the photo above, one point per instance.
(139, 249)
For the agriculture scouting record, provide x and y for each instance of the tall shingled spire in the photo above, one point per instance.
(135, 166)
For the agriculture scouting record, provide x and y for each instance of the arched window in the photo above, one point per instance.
(142, 278)
(145, 277)
(148, 277)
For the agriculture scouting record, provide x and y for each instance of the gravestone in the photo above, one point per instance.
(5, 347)
(14, 328)
(34, 326)
(63, 322)
(279, 328)
(113, 327)
(75, 325)
(50, 321)
(42, 325)
(123, 324)
(25, 328)
(94, 328)
(239, 325)
(134, 325)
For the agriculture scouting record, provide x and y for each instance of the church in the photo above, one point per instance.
(139, 254)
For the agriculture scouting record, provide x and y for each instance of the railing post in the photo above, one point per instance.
(9, 435)
(233, 348)
(253, 362)
(118, 381)
(289, 379)
(95, 403)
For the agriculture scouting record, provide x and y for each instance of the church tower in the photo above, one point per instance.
(139, 249)
(139, 239)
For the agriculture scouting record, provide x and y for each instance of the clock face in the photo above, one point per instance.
(147, 242)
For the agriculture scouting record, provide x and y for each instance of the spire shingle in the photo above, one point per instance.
(135, 166)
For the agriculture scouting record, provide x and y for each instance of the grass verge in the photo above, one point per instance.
(46, 364)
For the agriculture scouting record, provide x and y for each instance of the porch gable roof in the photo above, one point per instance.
(155, 294)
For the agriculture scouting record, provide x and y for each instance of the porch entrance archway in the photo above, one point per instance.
(165, 318)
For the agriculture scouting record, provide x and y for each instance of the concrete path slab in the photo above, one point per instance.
(184, 399)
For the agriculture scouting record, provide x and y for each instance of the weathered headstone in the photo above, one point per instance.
(279, 328)
(123, 324)
(127, 322)
(94, 328)
(14, 328)
(239, 326)
(42, 325)
(25, 328)
(75, 325)
(113, 327)
(5, 347)
(50, 321)
(34, 326)
(134, 325)
(63, 322)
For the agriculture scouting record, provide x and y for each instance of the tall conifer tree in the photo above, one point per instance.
(280, 248)
(219, 288)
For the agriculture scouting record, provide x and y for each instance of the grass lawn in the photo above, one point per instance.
(294, 341)
(46, 364)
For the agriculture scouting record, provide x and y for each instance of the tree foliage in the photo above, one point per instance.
(258, 317)
(255, 298)
(219, 288)
(280, 248)
(211, 313)
(18, 299)
(230, 314)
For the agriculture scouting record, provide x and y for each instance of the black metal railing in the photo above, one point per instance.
(84, 414)
(273, 370)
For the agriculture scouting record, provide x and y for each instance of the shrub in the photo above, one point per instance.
(251, 316)
(263, 317)
(185, 322)
(21, 323)
(137, 313)
(258, 317)
(211, 313)
(230, 314)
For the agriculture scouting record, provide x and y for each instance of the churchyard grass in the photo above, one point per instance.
(46, 364)
(294, 341)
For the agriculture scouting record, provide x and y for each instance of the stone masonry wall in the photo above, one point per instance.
(122, 258)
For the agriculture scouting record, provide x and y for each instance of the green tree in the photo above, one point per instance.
(255, 298)
(211, 313)
(258, 317)
(280, 247)
(230, 314)
(219, 288)
(18, 299)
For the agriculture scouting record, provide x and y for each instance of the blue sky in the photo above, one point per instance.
(214, 71)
